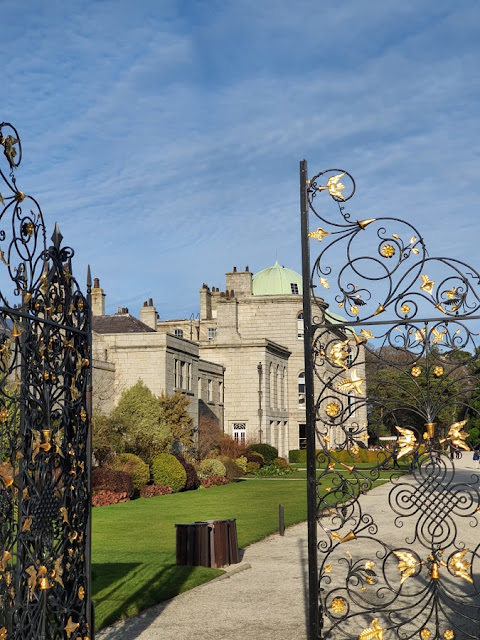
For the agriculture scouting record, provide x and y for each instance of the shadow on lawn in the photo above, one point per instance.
(116, 600)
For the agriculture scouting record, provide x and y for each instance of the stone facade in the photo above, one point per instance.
(241, 359)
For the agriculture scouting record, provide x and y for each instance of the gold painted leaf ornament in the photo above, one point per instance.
(375, 632)
(319, 234)
(334, 186)
(324, 283)
(354, 384)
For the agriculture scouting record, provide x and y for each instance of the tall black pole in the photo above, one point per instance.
(313, 610)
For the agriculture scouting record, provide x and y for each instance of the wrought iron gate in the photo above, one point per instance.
(403, 363)
(45, 388)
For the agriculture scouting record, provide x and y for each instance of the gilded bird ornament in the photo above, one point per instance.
(457, 436)
(407, 564)
(354, 384)
(459, 566)
(406, 441)
(338, 354)
(334, 186)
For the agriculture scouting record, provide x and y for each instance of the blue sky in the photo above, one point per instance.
(165, 136)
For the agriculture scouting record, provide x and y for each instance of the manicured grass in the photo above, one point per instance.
(134, 542)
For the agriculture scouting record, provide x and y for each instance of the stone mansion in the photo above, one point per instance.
(241, 360)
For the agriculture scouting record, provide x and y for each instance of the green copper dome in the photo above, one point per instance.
(276, 281)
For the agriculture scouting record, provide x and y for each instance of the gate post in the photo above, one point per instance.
(313, 603)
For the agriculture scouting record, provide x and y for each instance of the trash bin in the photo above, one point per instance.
(211, 543)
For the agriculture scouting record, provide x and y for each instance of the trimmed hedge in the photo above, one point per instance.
(104, 479)
(255, 457)
(268, 452)
(364, 455)
(281, 463)
(212, 467)
(135, 466)
(166, 469)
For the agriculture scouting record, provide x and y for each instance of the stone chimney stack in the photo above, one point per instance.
(148, 314)
(240, 282)
(205, 303)
(98, 299)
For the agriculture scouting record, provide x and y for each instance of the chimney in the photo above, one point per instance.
(148, 314)
(98, 299)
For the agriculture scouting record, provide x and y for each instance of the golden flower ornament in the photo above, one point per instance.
(425, 634)
(416, 371)
(387, 251)
(427, 284)
(332, 409)
(354, 309)
(338, 605)
(405, 309)
(449, 635)
(438, 371)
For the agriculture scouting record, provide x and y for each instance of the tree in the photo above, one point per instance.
(209, 431)
(107, 438)
(177, 420)
(141, 418)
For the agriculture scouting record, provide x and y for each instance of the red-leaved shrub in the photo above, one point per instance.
(192, 479)
(103, 498)
(213, 481)
(104, 479)
(152, 490)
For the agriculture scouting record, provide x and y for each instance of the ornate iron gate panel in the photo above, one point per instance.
(45, 374)
(401, 370)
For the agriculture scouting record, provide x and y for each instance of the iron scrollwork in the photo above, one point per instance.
(45, 372)
(402, 364)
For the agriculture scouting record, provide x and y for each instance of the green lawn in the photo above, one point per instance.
(133, 563)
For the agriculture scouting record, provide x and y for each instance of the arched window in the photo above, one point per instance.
(300, 326)
(277, 387)
(270, 385)
(284, 375)
(301, 387)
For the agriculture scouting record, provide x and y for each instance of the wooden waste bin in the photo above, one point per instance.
(211, 543)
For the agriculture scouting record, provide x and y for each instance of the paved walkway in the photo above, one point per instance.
(264, 597)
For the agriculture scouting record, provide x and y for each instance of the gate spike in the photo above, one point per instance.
(57, 237)
(89, 278)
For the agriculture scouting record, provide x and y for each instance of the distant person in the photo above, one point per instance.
(395, 459)
(476, 458)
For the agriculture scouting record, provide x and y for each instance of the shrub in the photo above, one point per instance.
(233, 470)
(135, 466)
(271, 470)
(242, 462)
(282, 463)
(268, 452)
(103, 498)
(212, 467)
(231, 447)
(254, 457)
(297, 456)
(110, 480)
(192, 479)
(166, 469)
(213, 481)
(252, 467)
(152, 490)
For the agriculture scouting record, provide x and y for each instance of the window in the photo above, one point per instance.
(270, 385)
(178, 333)
(349, 360)
(294, 287)
(177, 373)
(277, 388)
(302, 436)
(199, 388)
(209, 391)
(301, 387)
(106, 354)
(189, 376)
(220, 391)
(284, 373)
(300, 326)
(211, 333)
(239, 431)
(181, 380)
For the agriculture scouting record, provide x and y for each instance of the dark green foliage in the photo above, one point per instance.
(104, 479)
(192, 478)
(268, 452)
(166, 469)
(233, 471)
(254, 457)
(107, 438)
(297, 456)
(133, 465)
